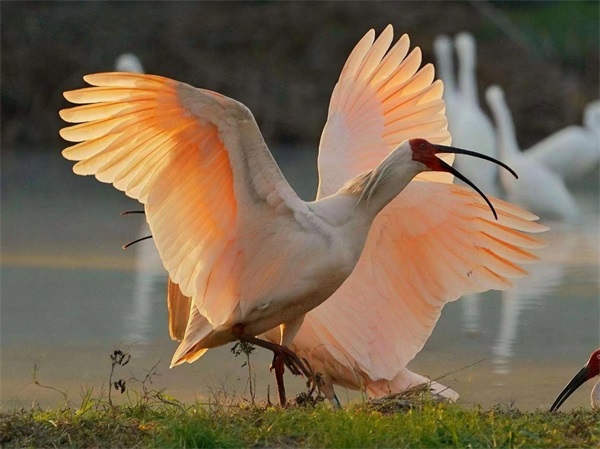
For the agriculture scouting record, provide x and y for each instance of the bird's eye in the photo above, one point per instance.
(422, 146)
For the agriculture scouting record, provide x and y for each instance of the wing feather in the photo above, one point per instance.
(191, 156)
(381, 99)
(105, 95)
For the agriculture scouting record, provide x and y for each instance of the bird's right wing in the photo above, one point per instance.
(198, 163)
(380, 100)
(434, 243)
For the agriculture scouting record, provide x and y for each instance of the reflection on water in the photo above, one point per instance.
(70, 296)
(471, 313)
(529, 294)
(149, 279)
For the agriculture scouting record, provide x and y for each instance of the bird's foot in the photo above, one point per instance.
(297, 366)
(282, 357)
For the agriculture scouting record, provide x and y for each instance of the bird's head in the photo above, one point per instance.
(593, 364)
(408, 160)
(426, 153)
(590, 370)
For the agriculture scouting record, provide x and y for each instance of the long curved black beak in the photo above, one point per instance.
(445, 149)
(450, 169)
(575, 383)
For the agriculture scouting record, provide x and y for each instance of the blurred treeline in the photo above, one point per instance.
(282, 59)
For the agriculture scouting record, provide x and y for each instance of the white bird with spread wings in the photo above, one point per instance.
(236, 239)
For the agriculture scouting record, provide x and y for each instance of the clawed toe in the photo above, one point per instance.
(282, 357)
(291, 361)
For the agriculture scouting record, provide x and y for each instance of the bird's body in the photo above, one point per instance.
(245, 254)
(469, 125)
(573, 151)
(542, 191)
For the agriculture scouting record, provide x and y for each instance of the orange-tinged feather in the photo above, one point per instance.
(96, 111)
(99, 128)
(179, 310)
(392, 59)
(88, 148)
(127, 79)
(107, 94)
(403, 72)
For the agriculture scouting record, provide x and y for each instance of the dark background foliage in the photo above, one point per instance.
(282, 59)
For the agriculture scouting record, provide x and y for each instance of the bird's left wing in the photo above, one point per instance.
(381, 99)
(198, 163)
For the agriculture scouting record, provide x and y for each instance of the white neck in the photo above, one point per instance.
(465, 50)
(591, 117)
(443, 55)
(375, 189)
(595, 396)
(359, 201)
(505, 128)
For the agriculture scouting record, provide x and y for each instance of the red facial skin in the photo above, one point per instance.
(590, 369)
(593, 364)
(425, 153)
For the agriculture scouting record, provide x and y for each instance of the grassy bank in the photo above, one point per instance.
(163, 424)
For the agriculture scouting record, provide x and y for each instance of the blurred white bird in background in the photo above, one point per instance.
(128, 62)
(540, 189)
(573, 151)
(444, 63)
(468, 124)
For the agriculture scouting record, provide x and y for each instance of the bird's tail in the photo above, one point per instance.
(179, 311)
(191, 348)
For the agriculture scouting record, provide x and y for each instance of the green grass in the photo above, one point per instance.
(428, 424)
(144, 417)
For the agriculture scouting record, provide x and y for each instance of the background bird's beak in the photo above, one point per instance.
(575, 383)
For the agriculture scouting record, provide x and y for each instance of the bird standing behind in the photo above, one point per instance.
(572, 151)
(444, 63)
(469, 125)
(541, 190)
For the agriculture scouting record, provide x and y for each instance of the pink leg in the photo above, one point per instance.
(282, 357)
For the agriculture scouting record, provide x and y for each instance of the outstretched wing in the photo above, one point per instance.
(433, 244)
(382, 98)
(194, 158)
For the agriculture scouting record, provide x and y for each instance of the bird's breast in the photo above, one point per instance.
(299, 279)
